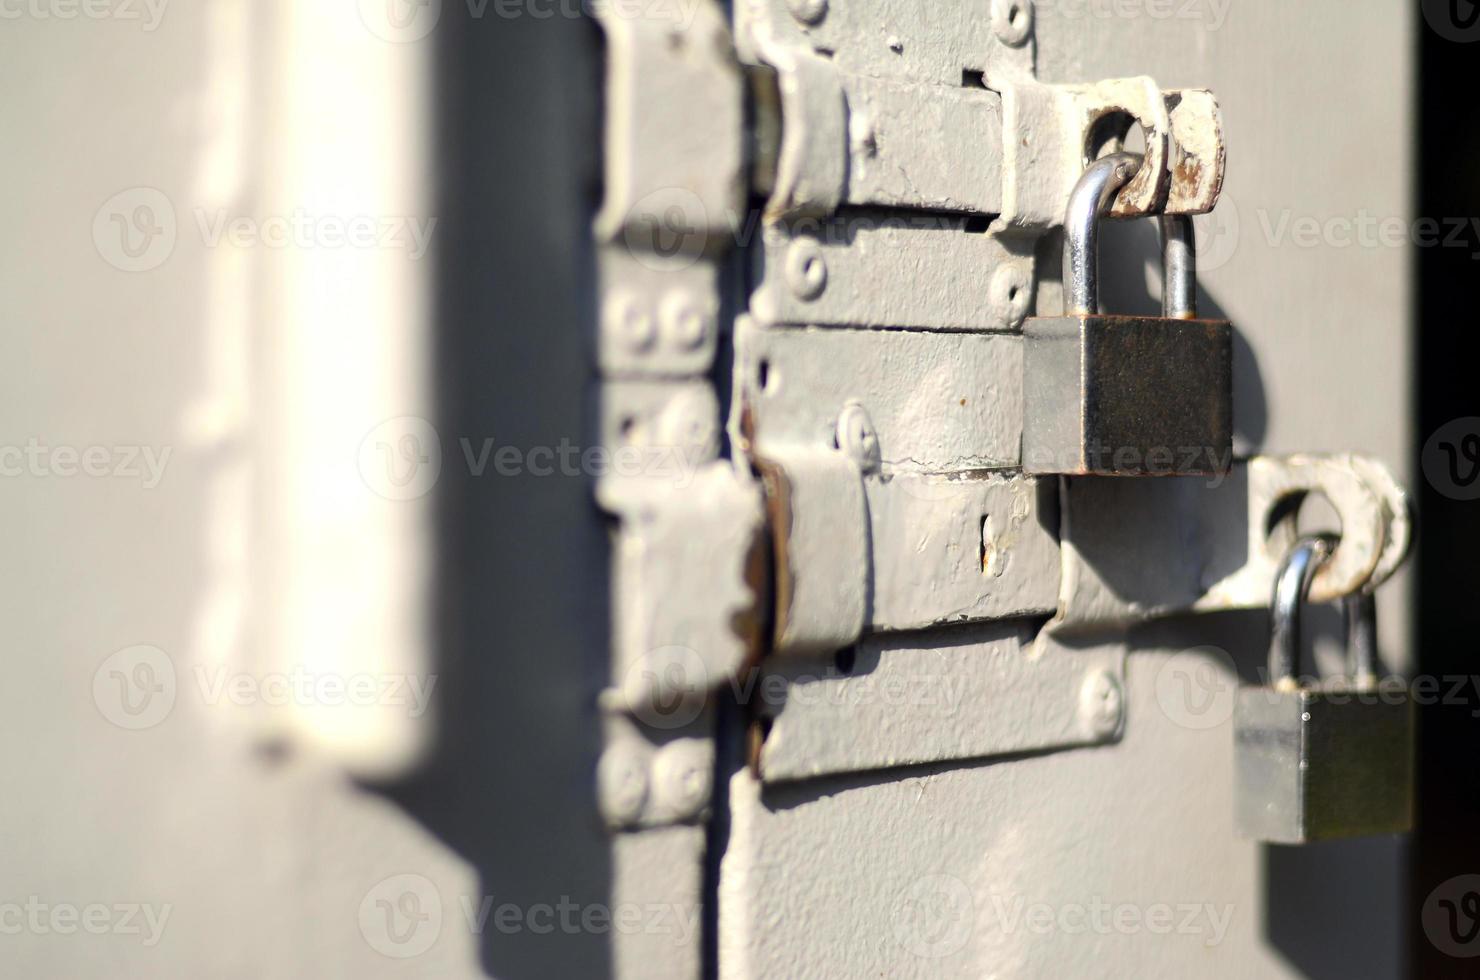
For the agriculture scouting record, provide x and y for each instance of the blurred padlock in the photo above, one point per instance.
(1319, 760)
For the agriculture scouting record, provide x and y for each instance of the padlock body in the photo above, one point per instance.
(1127, 396)
(1323, 762)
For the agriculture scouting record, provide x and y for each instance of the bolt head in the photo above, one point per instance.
(806, 269)
(857, 438)
(621, 785)
(630, 322)
(1102, 704)
(1012, 20)
(685, 322)
(1010, 292)
(807, 11)
(683, 777)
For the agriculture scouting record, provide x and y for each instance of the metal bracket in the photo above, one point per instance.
(840, 273)
(688, 547)
(893, 510)
(673, 98)
(1138, 549)
(863, 124)
(988, 691)
(1048, 137)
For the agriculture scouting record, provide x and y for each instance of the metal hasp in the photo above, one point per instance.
(1126, 395)
(1321, 760)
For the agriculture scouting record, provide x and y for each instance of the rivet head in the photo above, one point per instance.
(630, 323)
(686, 324)
(683, 778)
(806, 269)
(621, 785)
(1010, 292)
(687, 424)
(1102, 704)
(1012, 20)
(857, 438)
(808, 11)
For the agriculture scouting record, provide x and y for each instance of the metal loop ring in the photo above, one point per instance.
(1291, 590)
(1088, 203)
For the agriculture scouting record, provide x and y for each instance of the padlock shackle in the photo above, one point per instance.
(1178, 268)
(1088, 204)
(1361, 637)
(1291, 589)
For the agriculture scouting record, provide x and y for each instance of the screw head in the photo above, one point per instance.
(806, 269)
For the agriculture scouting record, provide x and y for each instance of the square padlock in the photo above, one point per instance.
(1109, 395)
(1321, 761)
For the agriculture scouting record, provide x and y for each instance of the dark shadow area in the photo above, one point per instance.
(1127, 249)
(1194, 528)
(1323, 906)
(1446, 616)
(522, 580)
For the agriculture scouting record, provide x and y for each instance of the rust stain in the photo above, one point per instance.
(751, 624)
(1188, 172)
(778, 508)
(768, 568)
(755, 741)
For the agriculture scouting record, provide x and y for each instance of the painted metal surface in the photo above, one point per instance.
(1218, 543)
(909, 700)
(835, 875)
